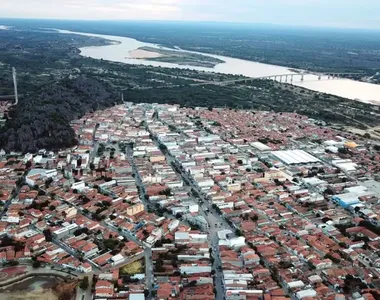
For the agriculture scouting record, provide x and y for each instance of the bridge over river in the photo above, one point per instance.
(290, 77)
(302, 75)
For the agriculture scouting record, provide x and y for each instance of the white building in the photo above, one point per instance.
(79, 186)
(294, 157)
(65, 231)
(173, 225)
(306, 293)
(295, 284)
(117, 259)
(234, 243)
(195, 268)
(205, 183)
(36, 174)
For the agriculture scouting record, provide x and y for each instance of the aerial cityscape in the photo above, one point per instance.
(155, 151)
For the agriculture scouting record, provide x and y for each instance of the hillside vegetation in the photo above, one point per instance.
(41, 120)
(50, 100)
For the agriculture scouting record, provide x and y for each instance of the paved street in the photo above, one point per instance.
(139, 183)
(215, 221)
(5, 207)
(14, 195)
(149, 278)
(84, 294)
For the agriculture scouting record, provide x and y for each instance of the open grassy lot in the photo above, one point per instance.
(133, 268)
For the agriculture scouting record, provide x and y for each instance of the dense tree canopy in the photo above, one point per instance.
(41, 120)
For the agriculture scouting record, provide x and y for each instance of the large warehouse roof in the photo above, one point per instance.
(292, 157)
(261, 146)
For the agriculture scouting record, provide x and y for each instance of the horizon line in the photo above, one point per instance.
(298, 26)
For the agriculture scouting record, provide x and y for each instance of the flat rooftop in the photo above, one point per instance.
(293, 157)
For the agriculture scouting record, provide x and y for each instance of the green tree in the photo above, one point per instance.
(84, 283)
(255, 218)
(110, 244)
(36, 264)
(48, 235)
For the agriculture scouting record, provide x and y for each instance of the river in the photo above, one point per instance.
(119, 52)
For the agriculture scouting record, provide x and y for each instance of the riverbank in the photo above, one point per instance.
(143, 54)
(354, 90)
(175, 57)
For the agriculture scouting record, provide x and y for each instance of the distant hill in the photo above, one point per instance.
(41, 120)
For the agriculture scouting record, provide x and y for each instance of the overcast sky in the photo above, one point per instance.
(335, 13)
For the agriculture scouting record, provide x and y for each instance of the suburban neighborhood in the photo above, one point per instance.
(165, 202)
